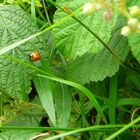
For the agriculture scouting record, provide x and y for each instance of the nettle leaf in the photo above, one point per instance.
(17, 134)
(100, 65)
(134, 41)
(23, 120)
(17, 25)
(72, 39)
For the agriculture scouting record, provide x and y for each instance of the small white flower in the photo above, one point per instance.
(88, 8)
(132, 22)
(134, 11)
(125, 31)
(138, 26)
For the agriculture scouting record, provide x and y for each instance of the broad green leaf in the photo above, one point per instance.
(17, 25)
(44, 90)
(17, 135)
(100, 65)
(134, 41)
(63, 100)
(72, 39)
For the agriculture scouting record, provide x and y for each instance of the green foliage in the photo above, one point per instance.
(44, 89)
(63, 100)
(73, 40)
(134, 41)
(17, 25)
(46, 97)
(17, 134)
(102, 64)
(133, 2)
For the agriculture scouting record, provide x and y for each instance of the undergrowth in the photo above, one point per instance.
(69, 70)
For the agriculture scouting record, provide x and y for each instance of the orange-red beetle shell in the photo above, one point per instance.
(35, 56)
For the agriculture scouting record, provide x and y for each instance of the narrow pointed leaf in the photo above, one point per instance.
(63, 100)
(44, 90)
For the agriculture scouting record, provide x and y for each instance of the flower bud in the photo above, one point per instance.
(132, 22)
(67, 10)
(125, 31)
(138, 26)
(107, 15)
(88, 8)
(134, 11)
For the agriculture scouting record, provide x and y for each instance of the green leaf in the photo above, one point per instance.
(73, 40)
(129, 101)
(112, 98)
(121, 130)
(17, 25)
(134, 41)
(24, 120)
(132, 3)
(134, 77)
(44, 90)
(87, 93)
(17, 135)
(37, 3)
(63, 100)
(97, 67)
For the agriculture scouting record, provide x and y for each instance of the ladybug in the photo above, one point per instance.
(35, 56)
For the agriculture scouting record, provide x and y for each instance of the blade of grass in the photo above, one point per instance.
(92, 128)
(46, 13)
(33, 12)
(112, 98)
(83, 113)
(97, 127)
(123, 129)
(63, 100)
(39, 12)
(44, 90)
(129, 101)
(51, 45)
